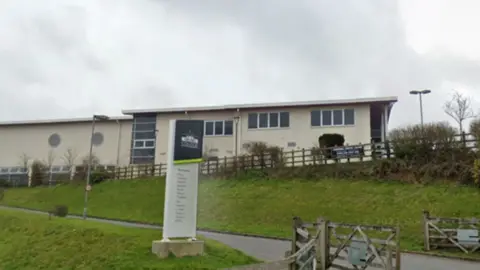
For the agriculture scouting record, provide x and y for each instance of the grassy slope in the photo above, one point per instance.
(31, 241)
(266, 207)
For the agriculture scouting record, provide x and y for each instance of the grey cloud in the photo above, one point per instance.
(151, 53)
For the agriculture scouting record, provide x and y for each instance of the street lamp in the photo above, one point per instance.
(236, 119)
(89, 166)
(420, 93)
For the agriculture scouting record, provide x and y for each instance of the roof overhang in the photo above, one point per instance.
(388, 100)
(62, 121)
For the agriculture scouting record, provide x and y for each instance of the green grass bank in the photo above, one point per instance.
(32, 241)
(267, 207)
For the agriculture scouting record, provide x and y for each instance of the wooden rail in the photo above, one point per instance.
(451, 233)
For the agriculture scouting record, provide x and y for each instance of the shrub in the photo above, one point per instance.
(331, 140)
(424, 144)
(263, 154)
(99, 176)
(475, 128)
(2, 193)
(4, 183)
(38, 173)
(60, 211)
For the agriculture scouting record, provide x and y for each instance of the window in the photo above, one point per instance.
(144, 135)
(218, 128)
(273, 120)
(228, 127)
(315, 119)
(144, 126)
(263, 120)
(139, 135)
(269, 120)
(284, 119)
(252, 120)
(144, 144)
(349, 116)
(339, 117)
(326, 118)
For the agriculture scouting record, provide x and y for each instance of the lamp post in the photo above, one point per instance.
(89, 166)
(236, 119)
(420, 93)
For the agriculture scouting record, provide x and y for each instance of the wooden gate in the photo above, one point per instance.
(345, 246)
(352, 246)
(458, 233)
(304, 244)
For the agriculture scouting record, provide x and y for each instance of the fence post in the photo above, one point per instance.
(293, 266)
(293, 158)
(464, 139)
(426, 231)
(322, 247)
(303, 156)
(398, 254)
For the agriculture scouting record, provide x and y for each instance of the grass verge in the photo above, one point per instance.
(31, 241)
(266, 207)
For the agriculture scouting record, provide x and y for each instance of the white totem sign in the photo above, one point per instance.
(185, 145)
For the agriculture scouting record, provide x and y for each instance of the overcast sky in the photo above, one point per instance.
(72, 58)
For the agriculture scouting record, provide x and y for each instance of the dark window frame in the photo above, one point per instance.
(214, 126)
(331, 122)
(278, 124)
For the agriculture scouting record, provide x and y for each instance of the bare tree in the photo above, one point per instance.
(24, 160)
(459, 108)
(49, 162)
(69, 157)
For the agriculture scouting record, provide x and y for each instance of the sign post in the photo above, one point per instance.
(185, 151)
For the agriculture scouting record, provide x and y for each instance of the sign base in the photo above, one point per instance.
(179, 248)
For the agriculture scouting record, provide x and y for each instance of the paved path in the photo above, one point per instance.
(270, 250)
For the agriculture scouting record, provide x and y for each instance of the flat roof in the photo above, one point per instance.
(390, 99)
(60, 121)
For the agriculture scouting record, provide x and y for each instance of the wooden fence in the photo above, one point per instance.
(451, 233)
(324, 246)
(278, 157)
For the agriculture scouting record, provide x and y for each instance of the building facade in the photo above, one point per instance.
(65, 141)
(141, 136)
(292, 125)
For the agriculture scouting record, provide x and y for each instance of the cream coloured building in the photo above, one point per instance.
(65, 141)
(290, 125)
(140, 136)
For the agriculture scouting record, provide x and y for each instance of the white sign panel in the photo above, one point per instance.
(181, 192)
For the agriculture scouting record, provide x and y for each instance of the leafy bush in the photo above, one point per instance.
(2, 193)
(264, 155)
(95, 160)
(38, 174)
(475, 129)
(424, 144)
(4, 183)
(60, 210)
(99, 176)
(331, 140)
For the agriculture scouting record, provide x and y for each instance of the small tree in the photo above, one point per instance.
(459, 108)
(475, 128)
(69, 158)
(24, 161)
(95, 160)
(49, 164)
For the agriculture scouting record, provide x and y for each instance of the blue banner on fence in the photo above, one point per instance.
(348, 151)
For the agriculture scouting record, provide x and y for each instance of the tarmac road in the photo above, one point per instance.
(270, 249)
